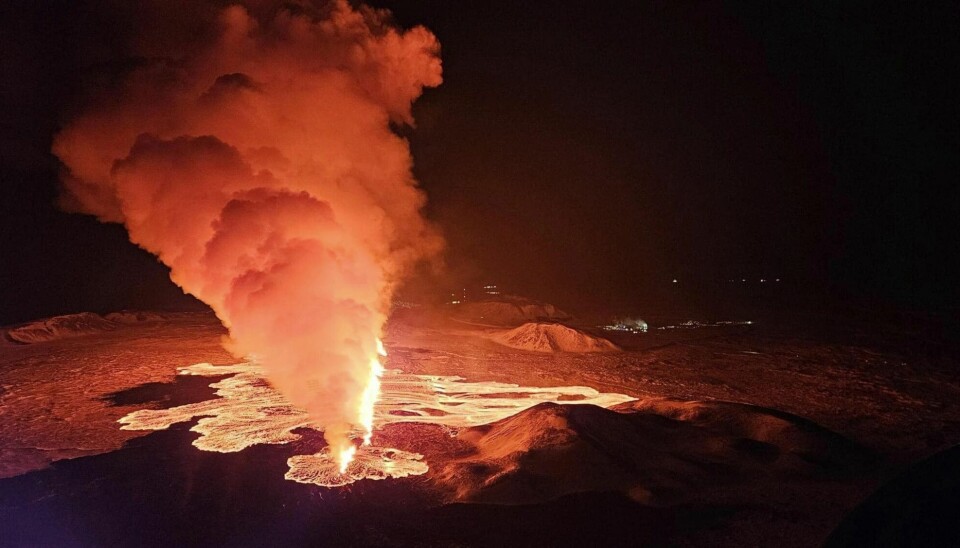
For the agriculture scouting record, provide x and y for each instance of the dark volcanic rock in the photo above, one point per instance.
(658, 451)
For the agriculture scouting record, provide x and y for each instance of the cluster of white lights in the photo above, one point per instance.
(628, 325)
(742, 280)
(694, 324)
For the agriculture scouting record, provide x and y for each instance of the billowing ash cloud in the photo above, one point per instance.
(258, 163)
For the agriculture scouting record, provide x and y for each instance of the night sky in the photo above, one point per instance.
(586, 153)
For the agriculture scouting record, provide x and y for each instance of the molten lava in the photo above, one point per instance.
(248, 411)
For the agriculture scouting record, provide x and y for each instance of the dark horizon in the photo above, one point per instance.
(585, 156)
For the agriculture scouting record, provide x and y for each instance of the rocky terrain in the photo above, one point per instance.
(726, 434)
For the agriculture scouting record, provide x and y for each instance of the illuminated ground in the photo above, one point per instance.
(656, 470)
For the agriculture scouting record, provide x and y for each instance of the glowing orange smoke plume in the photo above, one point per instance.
(258, 163)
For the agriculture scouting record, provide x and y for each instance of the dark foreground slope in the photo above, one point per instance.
(159, 490)
(666, 470)
(651, 472)
(919, 508)
(657, 451)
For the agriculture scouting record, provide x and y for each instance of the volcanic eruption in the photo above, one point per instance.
(256, 159)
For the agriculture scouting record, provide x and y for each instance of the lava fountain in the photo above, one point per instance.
(254, 156)
(367, 404)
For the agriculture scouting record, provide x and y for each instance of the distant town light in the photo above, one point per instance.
(628, 325)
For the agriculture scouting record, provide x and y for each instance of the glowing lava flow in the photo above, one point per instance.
(367, 403)
(248, 411)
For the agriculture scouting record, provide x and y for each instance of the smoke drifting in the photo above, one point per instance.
(258, 163)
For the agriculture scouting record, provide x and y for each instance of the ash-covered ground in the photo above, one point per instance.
(735, 434)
